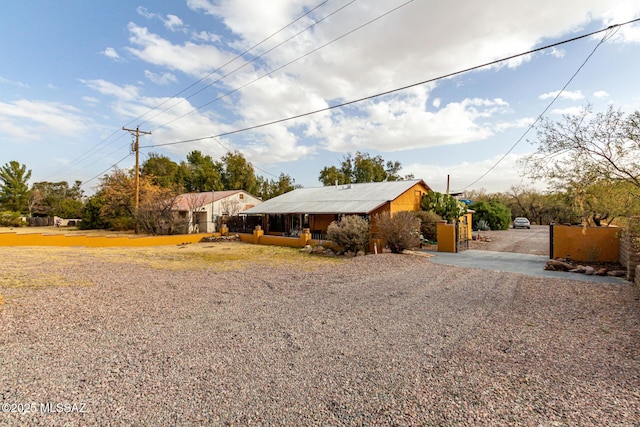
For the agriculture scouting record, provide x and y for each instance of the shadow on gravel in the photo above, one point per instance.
(531, 265)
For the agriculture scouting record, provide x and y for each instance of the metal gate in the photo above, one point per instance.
(462, 235)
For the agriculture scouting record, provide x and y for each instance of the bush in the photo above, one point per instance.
(428, 224)
(351, 233)
(497, 215)
(10, 219)
(401, 231)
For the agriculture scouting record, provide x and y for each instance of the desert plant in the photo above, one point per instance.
(482, 225)
(494, 212)
(428, 224)
(351, 233)
(401, 231)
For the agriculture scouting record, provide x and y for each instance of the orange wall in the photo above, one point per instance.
(586, 244)
(409, 200)
(38, 239)
(446, 237)
(321, 222)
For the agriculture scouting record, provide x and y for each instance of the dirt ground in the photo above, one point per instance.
(237, 334)
(534, 241)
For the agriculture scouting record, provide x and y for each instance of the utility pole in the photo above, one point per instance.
(136, 147)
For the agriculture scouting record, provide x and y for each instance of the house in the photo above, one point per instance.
(201, 211)
(315, 208)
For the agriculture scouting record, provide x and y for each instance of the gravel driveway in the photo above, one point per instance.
(375, 340)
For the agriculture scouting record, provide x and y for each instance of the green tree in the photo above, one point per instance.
(200, 173)
(269, 188)
(443, 204)
(237, 173)
(57, 199)
(162, 170)
(14, 190)
(588, 149)
(494, 212)
(361, 168)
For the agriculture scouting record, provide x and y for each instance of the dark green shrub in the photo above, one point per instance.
(495, 213)
(351, 233)
(401, 231)
(428, 224)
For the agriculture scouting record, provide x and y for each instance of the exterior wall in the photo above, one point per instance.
(446, 237)
(39, 239)
(320, 223)
(586, 244)
(409, 200)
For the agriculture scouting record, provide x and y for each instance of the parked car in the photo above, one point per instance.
(521, 222)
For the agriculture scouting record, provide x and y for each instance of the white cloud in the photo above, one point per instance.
(144, 12)
(601, 94)
(436, 102)
(33, 120)
(173, 23)
(567, 94)
(111, 53)
(191, 58)
(160, 79)
(126, 93)
(13, 82)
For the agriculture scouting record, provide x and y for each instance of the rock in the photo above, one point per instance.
(329, 252)
(558, 265)
(318, 249)
(617, 273)
(349, 254)
(588, 270)
(307, 249)
(601, 271)
(360, 253)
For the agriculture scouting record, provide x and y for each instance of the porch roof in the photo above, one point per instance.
(361, 198)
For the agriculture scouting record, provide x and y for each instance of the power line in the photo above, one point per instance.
(290, 62)
(388, 92)
(96, 148)
(236, 58)
(555, 98)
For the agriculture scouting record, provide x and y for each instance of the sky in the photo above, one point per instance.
(210, 75)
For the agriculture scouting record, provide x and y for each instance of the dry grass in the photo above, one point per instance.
(64, 230)
(20, 264)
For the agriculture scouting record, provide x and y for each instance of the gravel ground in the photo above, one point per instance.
(375, 340)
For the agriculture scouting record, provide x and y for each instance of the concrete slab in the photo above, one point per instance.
(531, 265)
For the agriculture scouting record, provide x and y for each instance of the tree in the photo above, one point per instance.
(162, 170)
(587, 149)
(200, 173)
(497, 215)
(269, 188)
(57, 199)
(14, 190)
(443, 204)
(237, 173)
(361, 168)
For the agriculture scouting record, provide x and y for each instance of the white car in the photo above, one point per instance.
(521, 222)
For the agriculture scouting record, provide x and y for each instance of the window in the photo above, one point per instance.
(241, 196)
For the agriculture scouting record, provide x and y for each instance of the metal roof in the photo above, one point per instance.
(342, 199)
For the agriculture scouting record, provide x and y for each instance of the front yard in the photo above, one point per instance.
(235, 334)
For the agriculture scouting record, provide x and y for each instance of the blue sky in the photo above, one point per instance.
(74, 73)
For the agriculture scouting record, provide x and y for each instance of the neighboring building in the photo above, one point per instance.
(315, 208)
(201, 211)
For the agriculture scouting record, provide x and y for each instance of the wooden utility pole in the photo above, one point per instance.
(136, 147)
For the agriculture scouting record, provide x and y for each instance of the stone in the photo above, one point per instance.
(617, 273)
(318, 249)
(360, 253)
(601, 271)
(307, 249)
(588, 270)
(558, 265)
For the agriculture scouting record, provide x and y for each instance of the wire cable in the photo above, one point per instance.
(555, 98)
(388, 92)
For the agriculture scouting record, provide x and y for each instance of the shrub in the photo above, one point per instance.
(428, 224)
(495, 213)
(10, 219)
(401, 231)
(482, 225)
(351, 233)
